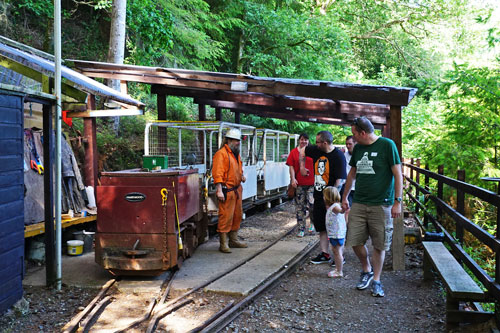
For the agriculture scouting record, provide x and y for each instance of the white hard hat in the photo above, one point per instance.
(233, 133)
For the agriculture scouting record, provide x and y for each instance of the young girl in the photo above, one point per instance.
(335, 227)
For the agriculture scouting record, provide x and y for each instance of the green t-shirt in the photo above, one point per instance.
(374, 178)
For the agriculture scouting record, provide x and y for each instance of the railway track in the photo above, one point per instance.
(152, 309)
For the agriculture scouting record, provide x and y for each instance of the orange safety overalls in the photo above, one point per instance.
(228, 171)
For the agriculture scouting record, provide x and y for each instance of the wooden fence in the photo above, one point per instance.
(424, 197)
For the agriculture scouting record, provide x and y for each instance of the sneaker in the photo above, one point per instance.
(364, 280)
(335, 274)
(333, 263)
(320, 259)
(301, 233)
(377, 290)
(311, 228)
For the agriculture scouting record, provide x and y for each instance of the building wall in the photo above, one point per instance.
(11, 200)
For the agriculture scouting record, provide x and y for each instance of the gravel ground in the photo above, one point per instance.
(307, 300)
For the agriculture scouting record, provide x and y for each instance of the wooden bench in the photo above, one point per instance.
(459, 285)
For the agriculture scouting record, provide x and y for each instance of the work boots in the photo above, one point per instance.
(233, 240)
(223, 243)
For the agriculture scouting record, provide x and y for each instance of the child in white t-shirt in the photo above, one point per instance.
(335, 227)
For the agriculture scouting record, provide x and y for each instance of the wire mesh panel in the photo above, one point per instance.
(193, 143)
(182, 146)
(283, 148)
(246, 149)
(270, 149)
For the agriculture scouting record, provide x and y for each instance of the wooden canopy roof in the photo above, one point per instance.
(290, 99)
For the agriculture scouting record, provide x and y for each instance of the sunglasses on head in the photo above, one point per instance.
(359, 124)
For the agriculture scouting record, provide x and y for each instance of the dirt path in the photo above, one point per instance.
(310, 301)
(307, 300)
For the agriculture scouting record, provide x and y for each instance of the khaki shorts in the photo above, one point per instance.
(370, 221)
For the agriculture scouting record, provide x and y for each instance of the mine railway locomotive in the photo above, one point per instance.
(150, 219)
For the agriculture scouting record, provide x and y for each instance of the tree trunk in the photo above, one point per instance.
(239, 53)
(116, 51)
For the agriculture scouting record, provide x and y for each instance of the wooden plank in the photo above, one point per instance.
(39, 228)
(105, 113)
(74, 106)
(91, 154)
(398, 243)
(475, 317)
(459, 284)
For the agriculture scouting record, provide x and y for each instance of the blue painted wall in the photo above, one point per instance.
(11, 200)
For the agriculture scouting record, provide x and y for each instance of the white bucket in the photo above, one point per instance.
(75, 247)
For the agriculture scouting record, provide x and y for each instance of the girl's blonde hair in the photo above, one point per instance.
(331, 195)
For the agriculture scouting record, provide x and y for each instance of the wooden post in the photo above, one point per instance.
(460, 206)
(417, 192)
(411, 169)
(218, 114)
(91, 155)
(386, 130)
(124, 87)
(48, 194)
(398, 237)
(395, 127)
(237, 117)
(426, 182)
(202, 112)
(161, 102)
(202, 116)
(440, 193)
(497, 263)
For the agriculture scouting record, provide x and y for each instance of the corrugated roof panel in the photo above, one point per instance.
(80, 81)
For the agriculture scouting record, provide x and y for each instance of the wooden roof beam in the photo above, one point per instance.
(341, 107)
(289, 114)
(292, 116)
(283, 109)
(302, 88)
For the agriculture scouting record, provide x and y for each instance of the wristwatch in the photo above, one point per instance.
(399, 199)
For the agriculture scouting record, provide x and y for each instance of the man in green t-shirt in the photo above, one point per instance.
(376, 167)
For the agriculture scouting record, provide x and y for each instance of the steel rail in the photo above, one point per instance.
(72, 326)
(213, 318)
(92, 316)
(236, 310)
(165, 311)
(159, 309)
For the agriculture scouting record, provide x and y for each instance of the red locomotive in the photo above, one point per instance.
(148, 221)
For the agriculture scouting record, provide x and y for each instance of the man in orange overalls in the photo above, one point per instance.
(227, 172)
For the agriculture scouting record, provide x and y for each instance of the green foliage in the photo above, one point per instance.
(103, 4)
(472, 101)
(393, 33)
(150, 35)
(288, 43)
(193, 28)
(41, 8)
(125, 151)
